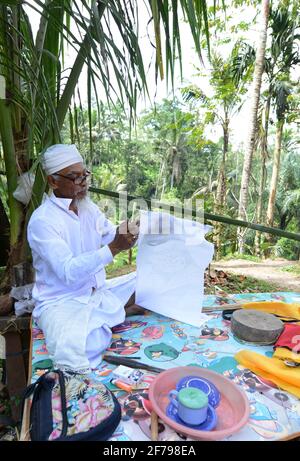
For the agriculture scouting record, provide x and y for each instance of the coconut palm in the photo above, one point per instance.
(262, 148)
(283, 56)
(287, 24)
(257, 80)
(104, 35)
(280, 58)
(228, 88)
(288, 194)
(282, 90)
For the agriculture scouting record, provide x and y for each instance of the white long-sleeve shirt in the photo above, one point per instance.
(69, 252)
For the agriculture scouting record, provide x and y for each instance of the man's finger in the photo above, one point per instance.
(123, 227)
(133, 228)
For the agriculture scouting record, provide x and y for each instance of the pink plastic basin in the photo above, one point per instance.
(232, 411)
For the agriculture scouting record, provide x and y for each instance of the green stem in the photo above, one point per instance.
(15, 208)
(84, 51)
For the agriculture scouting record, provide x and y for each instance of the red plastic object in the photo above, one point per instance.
(232, 411)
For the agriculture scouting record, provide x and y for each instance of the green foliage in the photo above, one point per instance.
(2, 271)
(228, 87)
(288, 249)
(143, 162)
(292, 269)
(121, 264)
(246, 257)
(105, 38)
(287, 211)
(167, 152)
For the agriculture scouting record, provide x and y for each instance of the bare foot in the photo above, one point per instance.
(134, 309)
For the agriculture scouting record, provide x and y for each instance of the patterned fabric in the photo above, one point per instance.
(289, 338)
(88, 404)
(272, 369)
(274, 413)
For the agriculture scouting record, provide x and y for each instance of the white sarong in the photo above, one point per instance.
(77, 333)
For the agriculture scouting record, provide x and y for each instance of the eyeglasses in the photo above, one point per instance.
(78, 179)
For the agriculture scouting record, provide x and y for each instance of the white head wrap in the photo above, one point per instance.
(59, 156)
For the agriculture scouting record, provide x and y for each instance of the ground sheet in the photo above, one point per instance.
(165, 343)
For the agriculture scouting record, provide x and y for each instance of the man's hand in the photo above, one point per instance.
(125, 238)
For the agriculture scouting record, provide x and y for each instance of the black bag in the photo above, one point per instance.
(71, 407)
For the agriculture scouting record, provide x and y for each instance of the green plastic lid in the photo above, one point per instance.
(191, 397)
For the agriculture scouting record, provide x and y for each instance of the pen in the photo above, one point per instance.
(127, 358)
(131, 363)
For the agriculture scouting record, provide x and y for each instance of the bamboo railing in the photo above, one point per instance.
(207, 216)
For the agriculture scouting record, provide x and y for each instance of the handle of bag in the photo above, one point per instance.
(63, 403)
(26, 394)
(31, 388)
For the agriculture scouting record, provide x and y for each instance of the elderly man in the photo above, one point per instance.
(71, 243)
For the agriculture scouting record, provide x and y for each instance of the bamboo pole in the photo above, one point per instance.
(207, 216)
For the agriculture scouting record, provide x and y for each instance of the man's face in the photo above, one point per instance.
(63, 184)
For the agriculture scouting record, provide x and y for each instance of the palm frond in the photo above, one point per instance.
(193, 93)
(243, 59)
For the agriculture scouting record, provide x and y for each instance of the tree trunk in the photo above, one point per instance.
(257, 79)
(221, 191)
(259, 212)
(275, 173)
(7, 139)
(263, 176)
